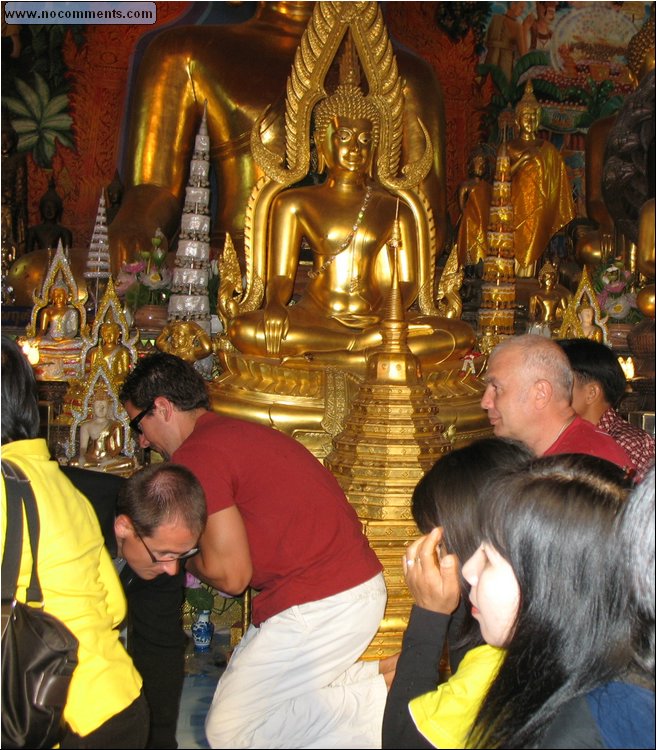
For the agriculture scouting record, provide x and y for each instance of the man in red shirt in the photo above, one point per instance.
(278, 522)
(528, 397)
(599, 384)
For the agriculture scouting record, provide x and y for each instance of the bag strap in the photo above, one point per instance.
(19, 495)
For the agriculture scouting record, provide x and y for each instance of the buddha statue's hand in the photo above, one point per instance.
(276, 326)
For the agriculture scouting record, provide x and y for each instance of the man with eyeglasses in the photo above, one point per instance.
(278, 522)
(151, 522)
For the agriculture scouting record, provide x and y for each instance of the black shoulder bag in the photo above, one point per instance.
(39, 653)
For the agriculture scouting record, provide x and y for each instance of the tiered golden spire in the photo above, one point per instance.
(392, 436)
(496, 317)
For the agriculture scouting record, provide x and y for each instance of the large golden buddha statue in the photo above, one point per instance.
(541, 191)
(281, 349)
(347, 221)
(240, 70)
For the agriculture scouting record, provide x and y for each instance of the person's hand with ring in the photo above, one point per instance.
(434, 584)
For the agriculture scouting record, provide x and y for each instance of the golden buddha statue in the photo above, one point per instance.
(240, 70)
(58, 321)
(541, 193)
(590, 329)
(474, 198)
(547, 307)
(58, 324)
(185, 339)
(347, 221)
(285, 356)
(111, 350)
(101, 437)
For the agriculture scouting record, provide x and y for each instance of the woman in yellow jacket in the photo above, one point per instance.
(105, 706)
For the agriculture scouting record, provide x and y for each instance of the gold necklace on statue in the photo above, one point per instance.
(349, 238)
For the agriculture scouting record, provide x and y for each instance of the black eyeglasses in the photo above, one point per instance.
(134, 422)
(170, 558)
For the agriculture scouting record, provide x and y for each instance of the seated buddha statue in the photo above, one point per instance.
(588, 325)
(546, 307)
(111, 350)
(101, 438)
(348, 221)
(58, 321)
(541, 193)
(240, 70)
(50, 232)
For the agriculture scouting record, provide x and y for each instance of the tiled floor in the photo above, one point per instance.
(203, 672)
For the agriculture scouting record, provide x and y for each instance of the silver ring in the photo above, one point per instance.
(409, 562)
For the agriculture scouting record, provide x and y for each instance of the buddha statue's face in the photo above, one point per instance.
(348, 144)
(181, 338)
(49, 210)
(478, 166)
(529, 119)
(586, 315)
(100, 407)
(58, 297)
(109, 333)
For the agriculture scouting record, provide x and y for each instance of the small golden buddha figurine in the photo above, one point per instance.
(111, 349)
(590, 329)
(59, 320)
(474, 197)
(541, 193)
(101, 437)
(547, 307)
(347, 221)
(185, 339)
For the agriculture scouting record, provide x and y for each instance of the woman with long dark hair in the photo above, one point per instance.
(549, 585)
(445, 507)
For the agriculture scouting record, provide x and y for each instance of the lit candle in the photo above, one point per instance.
(31, 352)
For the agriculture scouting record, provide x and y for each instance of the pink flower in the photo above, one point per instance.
(133, 268)
(191, 582)
(617, 287)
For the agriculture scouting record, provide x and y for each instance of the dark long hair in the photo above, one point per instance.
(450, 494)
(636, 538)
(20, 405)
(555, 523)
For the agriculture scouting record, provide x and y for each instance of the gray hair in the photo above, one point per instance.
(544, 358)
